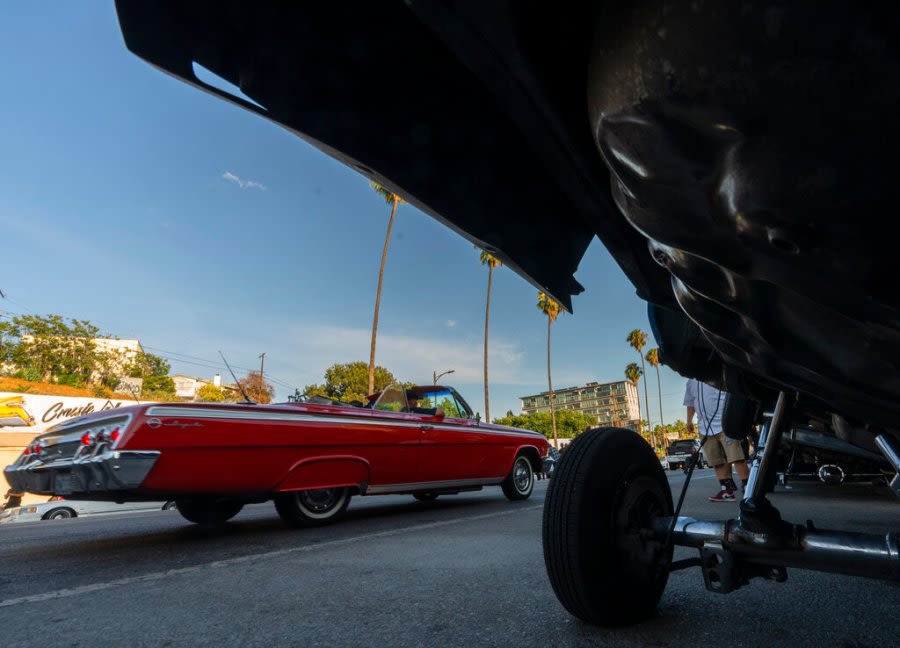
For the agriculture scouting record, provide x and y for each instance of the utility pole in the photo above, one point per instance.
(262, 366)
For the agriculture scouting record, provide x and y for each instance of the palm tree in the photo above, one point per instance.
(638, 339)
(491, 262)
(551, 309)
(633, 373)
(653, 358)
(393, 200)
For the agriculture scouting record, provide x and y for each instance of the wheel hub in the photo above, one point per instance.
(522, 476)
(642, 552)
(321, 500)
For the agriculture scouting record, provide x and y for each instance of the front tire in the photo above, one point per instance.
(609, 487)
(520, 481)
(310, 508)
(208, 511)
(60, 514)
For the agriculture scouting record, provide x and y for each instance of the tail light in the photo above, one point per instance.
(33, 449)
(87, 439)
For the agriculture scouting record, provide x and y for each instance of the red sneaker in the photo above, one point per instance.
(724, 495)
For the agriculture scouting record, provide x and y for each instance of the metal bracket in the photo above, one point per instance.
(719, 573)
(723, 572)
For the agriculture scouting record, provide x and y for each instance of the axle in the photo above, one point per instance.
(843, 552)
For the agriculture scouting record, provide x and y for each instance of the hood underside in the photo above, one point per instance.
(736, 162)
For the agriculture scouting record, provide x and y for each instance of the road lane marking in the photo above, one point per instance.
(228, 562)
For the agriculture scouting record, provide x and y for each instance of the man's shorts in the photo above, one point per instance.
(719, 449)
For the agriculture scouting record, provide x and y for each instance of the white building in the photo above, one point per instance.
(187, 386)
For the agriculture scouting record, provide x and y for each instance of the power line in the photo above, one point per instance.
(209, 364)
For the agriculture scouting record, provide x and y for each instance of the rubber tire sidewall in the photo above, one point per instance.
(60, 514)
(509, 486)
(588, 576)
(293, 514)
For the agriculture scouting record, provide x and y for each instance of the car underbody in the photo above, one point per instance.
(736, 159)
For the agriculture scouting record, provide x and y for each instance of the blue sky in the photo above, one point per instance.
(160, 212)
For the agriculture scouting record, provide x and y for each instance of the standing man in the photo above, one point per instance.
(708, 403)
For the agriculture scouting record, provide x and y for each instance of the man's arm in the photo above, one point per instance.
(690, 418)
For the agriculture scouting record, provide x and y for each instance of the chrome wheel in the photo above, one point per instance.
(522, 475)
(520, 481)
(322, 501)
(312, 507)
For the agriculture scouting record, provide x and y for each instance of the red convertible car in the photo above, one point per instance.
(309, 457)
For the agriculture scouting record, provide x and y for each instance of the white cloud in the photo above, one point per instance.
(451, 323)
(243, 184)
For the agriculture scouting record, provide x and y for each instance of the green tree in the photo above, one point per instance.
(551, 309)
(653, 358)
(638, 339)
(491, 262)
(48, 347)
(633, 373)
(209, 393)
(349, 382)
(393, 200)
(158, 388)
(144, 365)
(569, 423)
(677, 430)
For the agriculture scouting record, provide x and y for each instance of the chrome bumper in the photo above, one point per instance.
(108, 471)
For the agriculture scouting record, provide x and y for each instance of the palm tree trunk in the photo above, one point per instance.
(487, 313)
(387, 239)
(659, 389)
(550, 385)
(646, 398)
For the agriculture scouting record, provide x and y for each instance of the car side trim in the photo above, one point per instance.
(384, 489)
(210, 413)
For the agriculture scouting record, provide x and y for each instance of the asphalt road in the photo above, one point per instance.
(465, 570)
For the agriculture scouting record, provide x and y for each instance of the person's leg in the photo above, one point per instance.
(715, 455)
(734, 455)
(723, 471)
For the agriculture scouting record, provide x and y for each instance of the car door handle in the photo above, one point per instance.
(425, 428)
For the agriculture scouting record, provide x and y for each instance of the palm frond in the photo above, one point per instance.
(489, 259)
(547, 306)
(388, 195)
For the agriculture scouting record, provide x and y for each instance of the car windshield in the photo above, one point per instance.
(442, 398)
(392, 399)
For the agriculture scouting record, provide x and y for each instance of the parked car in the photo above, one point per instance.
(309, 458)
(60, 509)
(810, 453)
(678, 453)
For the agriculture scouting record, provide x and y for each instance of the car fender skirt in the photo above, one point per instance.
(326, 472)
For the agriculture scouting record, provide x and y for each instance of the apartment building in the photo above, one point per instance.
(612, 403)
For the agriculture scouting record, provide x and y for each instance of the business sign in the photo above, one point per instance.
(36, 413)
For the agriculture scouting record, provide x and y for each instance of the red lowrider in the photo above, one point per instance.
(310, 457)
